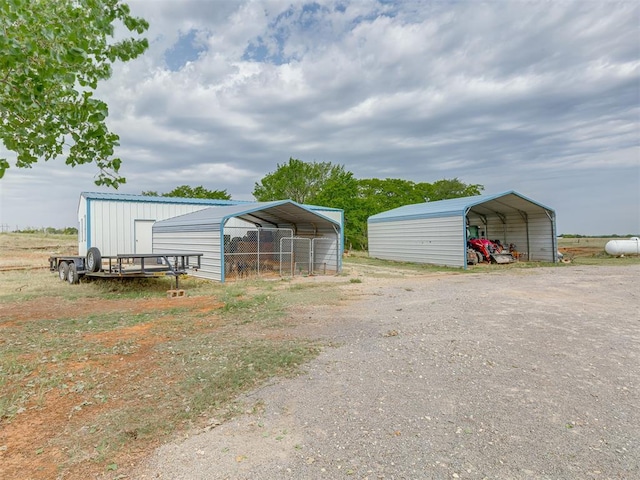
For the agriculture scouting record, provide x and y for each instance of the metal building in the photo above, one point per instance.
(437, 232)
(122, 224)
(257, 239)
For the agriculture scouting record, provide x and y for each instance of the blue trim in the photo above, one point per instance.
(87, 224)
(222, 267)
(341, 240)
(464, 235)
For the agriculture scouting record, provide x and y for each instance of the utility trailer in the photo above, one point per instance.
(136, 265)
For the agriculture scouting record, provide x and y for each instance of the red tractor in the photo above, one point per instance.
(488, 251)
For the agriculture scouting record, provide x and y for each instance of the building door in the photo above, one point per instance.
(143, 236)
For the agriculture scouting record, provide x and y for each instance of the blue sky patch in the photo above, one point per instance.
(186, 49)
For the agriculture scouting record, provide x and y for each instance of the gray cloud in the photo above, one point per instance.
(541, 98)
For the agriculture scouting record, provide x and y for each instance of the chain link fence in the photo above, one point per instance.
(264, 252)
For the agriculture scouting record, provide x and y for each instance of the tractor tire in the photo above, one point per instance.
(94, 260)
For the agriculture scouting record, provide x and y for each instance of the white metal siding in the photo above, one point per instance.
(438, 241)
(205, 242)
(541, 238)
(111, 223)
(325, 253)
(338, 216)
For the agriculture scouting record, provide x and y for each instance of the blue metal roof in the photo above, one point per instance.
(460, 206)
(123, 197)
(269, 212)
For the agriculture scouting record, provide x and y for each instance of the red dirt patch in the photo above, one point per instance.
(38, 443)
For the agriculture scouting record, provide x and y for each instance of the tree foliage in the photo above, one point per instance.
(185, 191)
(54, 54)
(298, 181)
(333, 186)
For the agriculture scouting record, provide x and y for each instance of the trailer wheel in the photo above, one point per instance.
(63, 270)
(72, 274)
(94, 259)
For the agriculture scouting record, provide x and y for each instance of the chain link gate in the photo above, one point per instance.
(295, 254)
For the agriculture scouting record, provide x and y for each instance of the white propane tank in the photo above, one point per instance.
(629, 246)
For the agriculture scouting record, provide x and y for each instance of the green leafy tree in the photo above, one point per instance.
(382, 195)
(185, 191)
(54, 54)
(299, 181)
(446, 189)
(320, 184)
(341, 192)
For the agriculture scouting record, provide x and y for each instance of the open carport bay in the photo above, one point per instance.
(518, 374)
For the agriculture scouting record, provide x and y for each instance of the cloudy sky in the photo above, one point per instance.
(538, 97)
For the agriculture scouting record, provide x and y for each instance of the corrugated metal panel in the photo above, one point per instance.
(266, 214)
(112, 223)
(485, 204)
(207, 243)
(325, 253)
(110, 218)
(541, 236)
(437, 241)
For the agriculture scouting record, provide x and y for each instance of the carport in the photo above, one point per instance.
(281, 238)
(437, 232)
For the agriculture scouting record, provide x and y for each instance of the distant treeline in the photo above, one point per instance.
(48, 230)
(613, 235)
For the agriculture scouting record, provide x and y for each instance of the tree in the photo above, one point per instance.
(299, 181)
(185, 191)
(341, 192)
(54, 54)
(447, 189)
(387, 194)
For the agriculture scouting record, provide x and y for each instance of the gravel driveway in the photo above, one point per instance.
(517, 374)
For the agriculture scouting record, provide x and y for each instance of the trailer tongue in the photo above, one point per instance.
(147, 265)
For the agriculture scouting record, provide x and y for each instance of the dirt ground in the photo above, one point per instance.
(51, 414)
(521, 374)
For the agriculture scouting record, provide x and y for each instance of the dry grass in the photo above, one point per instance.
(26, 250)
(94, 375)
